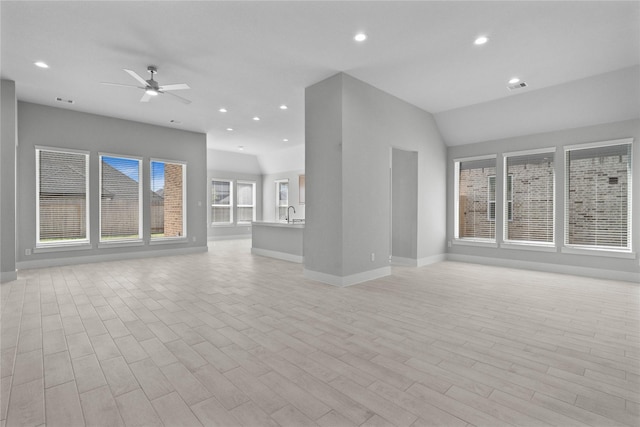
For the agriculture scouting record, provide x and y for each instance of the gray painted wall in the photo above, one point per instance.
(558, 139)
(323, 165)
(55, 127)
(604, 98)
(8, 140)
(351, 128)
(404, 206)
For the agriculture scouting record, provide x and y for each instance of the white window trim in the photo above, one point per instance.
(253, 206)
(527, 244)
(614, 252)
(229, 206)
(456, 198)
(68, 245)
(156, 240)
(505, 201)
(121, 242)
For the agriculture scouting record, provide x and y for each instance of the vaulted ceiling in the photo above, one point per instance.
(251, 57)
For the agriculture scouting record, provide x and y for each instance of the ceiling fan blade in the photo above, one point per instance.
(118, 84)
(145, 98)
(184, 100)
(136, 76)
(178, 86)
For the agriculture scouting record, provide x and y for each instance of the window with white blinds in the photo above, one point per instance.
(529, 207)
(475, 199)
(221, 201)
(168, 196)
(120, 196)
(246, 202)
(282, 199)
(598, 196)
(63, 197)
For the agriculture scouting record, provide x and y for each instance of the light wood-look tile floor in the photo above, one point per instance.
(230, 339)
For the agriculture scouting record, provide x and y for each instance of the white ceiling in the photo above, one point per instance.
(251, 57)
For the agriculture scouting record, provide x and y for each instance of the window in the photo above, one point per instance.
(598, 195)
(62, 183)
(491, 208)
(301, 189)
(282, 199)
(222, 201)
(246, 202)
(168, 207)
(530, 208)
(120, 195)
(475, 199)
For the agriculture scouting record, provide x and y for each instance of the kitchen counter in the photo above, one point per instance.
(277, 240)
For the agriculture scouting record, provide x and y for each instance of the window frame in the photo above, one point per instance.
(75, 243)
(184, 236)
(506, 201)
(578, 248)
(252, 206)
(140, 200)
(505, 232)
(477, 241)
(217, 205)
(279, 182)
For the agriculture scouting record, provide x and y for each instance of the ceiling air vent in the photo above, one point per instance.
(517, 86)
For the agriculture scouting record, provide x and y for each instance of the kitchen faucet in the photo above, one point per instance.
(289, 216)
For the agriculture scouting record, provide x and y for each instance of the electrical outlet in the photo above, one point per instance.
(27, 251)
(194, 238)
(373, 256)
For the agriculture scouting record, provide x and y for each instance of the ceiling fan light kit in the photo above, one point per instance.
(151, 87)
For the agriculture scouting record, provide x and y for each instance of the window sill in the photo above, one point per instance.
(168, 240)
(476, 242)
(540, 247)
(610, 253)
(63, 247)
(222, 224)
(120, 244)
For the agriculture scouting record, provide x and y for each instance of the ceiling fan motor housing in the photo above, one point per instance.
(152, 69)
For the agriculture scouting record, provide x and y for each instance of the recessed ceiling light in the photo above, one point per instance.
(514, 80)
(360, 37)
(285, 140)
(283, 107)
(256, 118)
(230, 129)
(41, 64)
(240, 147)
(223, 110)
(481, 40)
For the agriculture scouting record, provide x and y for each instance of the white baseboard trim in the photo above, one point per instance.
(420, 262)
(278, 255)
(431, 260)
(8, 276)
(230, 237)
(409, 262)
(57, 262)
(597, 273)
(345, 281)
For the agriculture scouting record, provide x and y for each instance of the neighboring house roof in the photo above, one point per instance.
(116, 185)
(69, 179)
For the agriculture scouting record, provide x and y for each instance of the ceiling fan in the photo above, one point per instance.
(151, 87)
